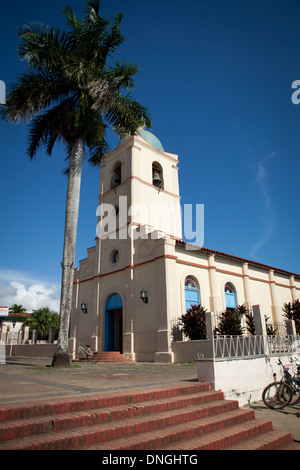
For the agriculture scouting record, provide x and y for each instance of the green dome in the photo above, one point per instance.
(149, 137)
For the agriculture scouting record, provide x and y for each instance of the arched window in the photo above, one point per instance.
(116, 176)
(230, 295)
(157, 175)
(191, 290)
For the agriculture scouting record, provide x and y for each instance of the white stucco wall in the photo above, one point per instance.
(240, 379)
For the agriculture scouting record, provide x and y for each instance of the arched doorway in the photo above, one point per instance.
(113, 340)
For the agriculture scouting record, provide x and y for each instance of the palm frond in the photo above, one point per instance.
(68, 91)
(122, 74)
(35, 90)
(125, 115)
(56, 123)
(42, 46)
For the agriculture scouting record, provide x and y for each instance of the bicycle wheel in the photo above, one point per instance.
(277, 395)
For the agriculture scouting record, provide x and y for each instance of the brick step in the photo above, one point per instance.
(271, 440)
(106, 356)
(181, 417)
(91, 402)
(177, 422)
(257, 434)
(38, 425)
(176, 436)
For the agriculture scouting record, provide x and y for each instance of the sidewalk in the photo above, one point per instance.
(27, 379)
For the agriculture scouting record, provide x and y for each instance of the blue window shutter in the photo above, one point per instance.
(230, 297)
(191, 297)
(230, 300)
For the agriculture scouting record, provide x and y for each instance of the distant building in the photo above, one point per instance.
(12, 320)
(130, 288)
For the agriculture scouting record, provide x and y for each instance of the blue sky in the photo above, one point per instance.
(216, 76)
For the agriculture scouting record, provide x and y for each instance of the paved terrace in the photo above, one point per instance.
(26, 379)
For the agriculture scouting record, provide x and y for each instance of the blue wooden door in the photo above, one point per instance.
(109, 330)
(113, 303)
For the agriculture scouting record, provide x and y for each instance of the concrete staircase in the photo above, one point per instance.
(175, 417)
(109, 356)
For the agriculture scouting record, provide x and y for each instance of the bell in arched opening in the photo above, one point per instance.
(157, 176)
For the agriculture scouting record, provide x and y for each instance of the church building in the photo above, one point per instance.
(141, 274)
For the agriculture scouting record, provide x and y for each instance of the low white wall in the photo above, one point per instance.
(187, 351)
(33, 350)
(240, 379)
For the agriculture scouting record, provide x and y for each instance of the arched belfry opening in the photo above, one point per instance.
(157, 175)
(116, 175)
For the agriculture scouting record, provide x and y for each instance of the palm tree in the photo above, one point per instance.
(17, 309)
(71, 94)
(42, 320)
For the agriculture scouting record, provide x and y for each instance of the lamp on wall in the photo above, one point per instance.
(84, 307)
(143, 295)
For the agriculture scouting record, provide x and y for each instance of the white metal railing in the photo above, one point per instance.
(230, 347)
(238, 346)
(283, 344)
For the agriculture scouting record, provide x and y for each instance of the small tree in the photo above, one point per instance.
(193, 322)
(291, 311)
(42, 320)
(271, 331)
(230, 322)
(17, 309)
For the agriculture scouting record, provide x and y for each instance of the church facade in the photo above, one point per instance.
(141, 275)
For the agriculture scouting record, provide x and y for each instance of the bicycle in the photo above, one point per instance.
(85, 353)
(279, 394)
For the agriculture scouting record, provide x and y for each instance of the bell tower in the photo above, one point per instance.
(125, 280)
(139, 187)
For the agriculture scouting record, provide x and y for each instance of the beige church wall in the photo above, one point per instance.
(201, 276)
(193, 263)
(296, 283)
(261, 295)
(106, 258)
(112, 158)
(237, 282)
(258, 273)
(228, 266)
(155, 209)
(83, 326)
(192, 258)
(146, 156)
(148, 276)
(88, 266)
(283, 292)
(160, 266)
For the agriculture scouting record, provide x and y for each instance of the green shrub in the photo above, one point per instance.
(291, 311)
(230, 322)
(193, 322)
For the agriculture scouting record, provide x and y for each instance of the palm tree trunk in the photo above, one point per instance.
(61, 356)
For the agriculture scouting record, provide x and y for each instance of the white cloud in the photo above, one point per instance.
(268, 213)
(22, 289)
